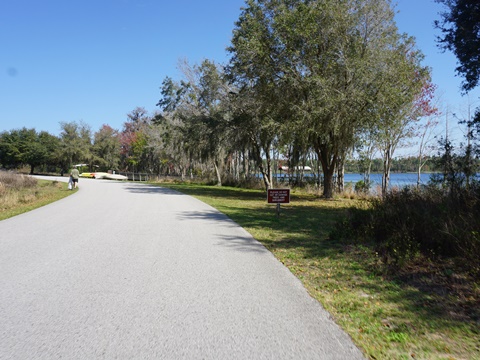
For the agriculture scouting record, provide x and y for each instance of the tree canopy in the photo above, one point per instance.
(325, 69)
(460, 26)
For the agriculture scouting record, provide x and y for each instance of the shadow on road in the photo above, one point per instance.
(205, 215)
(150, 189)
(236, 242)
(211, 217)
(242, 244)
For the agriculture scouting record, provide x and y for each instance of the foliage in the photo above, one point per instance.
(198, 107)
(27, 147)
(362, 186)
(323, 71)
(460, 26)
(106, 148)
(458, 169)
(75, 144)
(430, 222)
(133, 140)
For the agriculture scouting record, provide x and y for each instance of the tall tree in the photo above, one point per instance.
(10, 153)
(402, 107)
(198, 103)
(460, 26)
(27, 147)
(256, 69)
(75, 144)
(51, 144)
(133, 141)
(106, 148)
(320, 66)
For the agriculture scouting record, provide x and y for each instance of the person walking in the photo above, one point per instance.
(74, 174)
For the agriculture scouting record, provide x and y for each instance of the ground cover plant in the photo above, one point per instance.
(20, 193)
(419, 312)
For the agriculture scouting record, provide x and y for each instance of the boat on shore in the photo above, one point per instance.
(103, 175)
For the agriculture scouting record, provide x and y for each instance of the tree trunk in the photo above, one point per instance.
(217, 171)
(387, 164)
(366, 174)
(328, 166)
(268, 171)
(340, 175)
(246, 163)
(237, 166)
(328, 185)
(265, 172)
(419, 170)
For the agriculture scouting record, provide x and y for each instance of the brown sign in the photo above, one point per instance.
(278, 196)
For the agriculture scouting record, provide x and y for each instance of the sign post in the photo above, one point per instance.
(278, 196)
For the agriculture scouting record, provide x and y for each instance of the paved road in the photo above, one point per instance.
(131, 271)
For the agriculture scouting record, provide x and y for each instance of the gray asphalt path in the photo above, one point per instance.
(130, 271)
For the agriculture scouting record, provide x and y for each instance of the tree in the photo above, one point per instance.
(133, 141)
(405, 102)
(256, 72)
(106, 148)
(51, 144)
(425, 148)
(10, 154)
(366, 149)
(468, 160)
(460, 26)
(27, 147)
(318, 66)
(75, 144)
(256, 126)
(426, 129)
(198, 103)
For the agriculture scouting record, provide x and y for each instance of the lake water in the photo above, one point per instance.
(396, 179)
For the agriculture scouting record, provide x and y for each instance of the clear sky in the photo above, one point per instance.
(96, 60)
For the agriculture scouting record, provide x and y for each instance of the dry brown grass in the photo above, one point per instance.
(10, 180)
(16, 189)
(20, 193)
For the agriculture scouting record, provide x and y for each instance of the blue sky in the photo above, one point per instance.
(97, 60)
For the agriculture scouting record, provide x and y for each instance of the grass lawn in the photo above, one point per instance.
(18, 200)
(426, 312)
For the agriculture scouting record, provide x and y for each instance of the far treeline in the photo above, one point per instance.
(308, 82)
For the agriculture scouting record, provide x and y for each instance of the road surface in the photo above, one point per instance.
(123, 270)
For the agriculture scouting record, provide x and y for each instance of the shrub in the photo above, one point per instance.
(15, 189)
(429, 221)
(16, 181)
(362, 187)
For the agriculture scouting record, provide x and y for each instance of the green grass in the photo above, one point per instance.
(20, 200)
(388, 317)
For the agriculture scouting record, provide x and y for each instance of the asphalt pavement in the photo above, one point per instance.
(123, 270)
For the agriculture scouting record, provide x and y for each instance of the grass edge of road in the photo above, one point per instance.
(386, 317)
(19, 200)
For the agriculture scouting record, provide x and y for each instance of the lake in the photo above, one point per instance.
(396, 179)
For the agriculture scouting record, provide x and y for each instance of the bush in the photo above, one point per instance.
(16, 181)
(429, 222)
(15, 189)
(362, 187)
